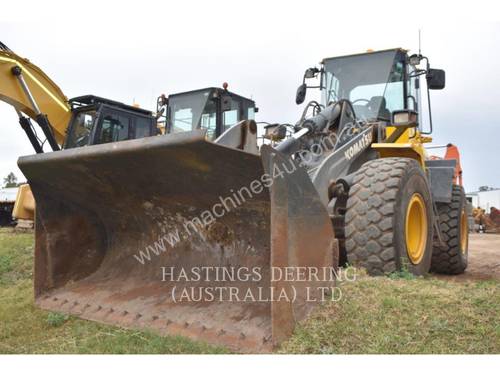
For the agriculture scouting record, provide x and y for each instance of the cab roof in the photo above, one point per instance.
(88, 100)
(398, 49)
(217, 89)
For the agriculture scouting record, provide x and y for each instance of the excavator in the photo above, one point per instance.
(90, 120)
(222, 241)
(63, 123)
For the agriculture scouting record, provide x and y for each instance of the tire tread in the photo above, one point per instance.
(369, 222)
(448, 259)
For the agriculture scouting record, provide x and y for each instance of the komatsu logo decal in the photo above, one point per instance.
(359, 146)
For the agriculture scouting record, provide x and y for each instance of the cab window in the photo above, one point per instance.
(114, 128)
(142, 127)
(208, 119)
(251, 113)
(81, 129)
(231, 116)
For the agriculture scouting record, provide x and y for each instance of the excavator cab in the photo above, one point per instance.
(214, 109)
(97, 120)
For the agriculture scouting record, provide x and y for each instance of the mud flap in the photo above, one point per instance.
(167, 234)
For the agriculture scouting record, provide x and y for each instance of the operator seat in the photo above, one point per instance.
(378, 107)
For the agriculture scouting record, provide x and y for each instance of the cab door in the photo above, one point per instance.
(233, 110)
(116, 125)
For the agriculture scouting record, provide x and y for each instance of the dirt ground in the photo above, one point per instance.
(484, 258)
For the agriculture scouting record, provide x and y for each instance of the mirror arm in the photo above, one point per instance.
(430, 111)
(418, 73)
(321, 76)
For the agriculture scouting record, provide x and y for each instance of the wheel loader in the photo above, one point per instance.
(392, 206)
(121, 227)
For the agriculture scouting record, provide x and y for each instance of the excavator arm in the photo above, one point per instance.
(31, 92)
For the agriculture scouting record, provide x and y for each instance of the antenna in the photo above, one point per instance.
(419, 44)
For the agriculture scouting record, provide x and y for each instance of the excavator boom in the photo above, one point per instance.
(30, 91)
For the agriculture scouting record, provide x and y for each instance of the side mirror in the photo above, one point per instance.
(415, 59)
(435, 79)
(311, 73)
(301, 94)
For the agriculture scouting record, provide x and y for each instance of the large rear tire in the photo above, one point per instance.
(389, 218)
(451, 257)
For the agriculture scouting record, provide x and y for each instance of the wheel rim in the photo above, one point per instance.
(416, 228)
(464, 231)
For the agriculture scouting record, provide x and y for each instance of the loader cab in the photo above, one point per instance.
(375, 83)
(97, 120)
(378, 84)
(214, 109)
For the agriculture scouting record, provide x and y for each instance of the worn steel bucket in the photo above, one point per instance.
(118, 224)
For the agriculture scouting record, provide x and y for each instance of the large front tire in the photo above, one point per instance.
(389, 218)
(451, 256)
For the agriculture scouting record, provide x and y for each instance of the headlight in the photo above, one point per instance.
(275, 132)
(405, 117)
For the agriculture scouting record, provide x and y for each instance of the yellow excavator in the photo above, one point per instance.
(63, 123)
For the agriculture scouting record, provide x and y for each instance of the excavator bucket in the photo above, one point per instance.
(181, 236)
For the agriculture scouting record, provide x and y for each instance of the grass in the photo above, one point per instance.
(404, 315)
(396, 314)
(55, 319)
(25, 328)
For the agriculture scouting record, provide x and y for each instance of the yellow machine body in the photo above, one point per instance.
(409, 145)
(24, 208)
(49, 97)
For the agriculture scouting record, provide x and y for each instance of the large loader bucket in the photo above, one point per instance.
(167, 233)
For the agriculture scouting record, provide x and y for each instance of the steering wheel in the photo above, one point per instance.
(361, 100)
(84, 137)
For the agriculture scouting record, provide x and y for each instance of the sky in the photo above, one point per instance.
(135, 51)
